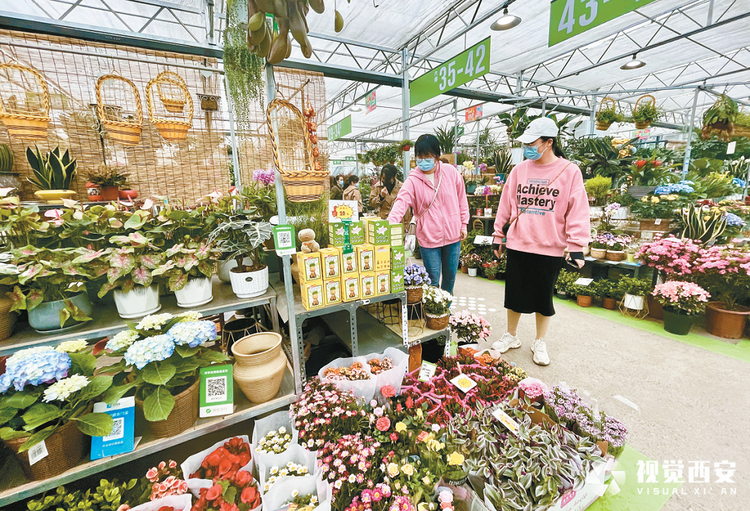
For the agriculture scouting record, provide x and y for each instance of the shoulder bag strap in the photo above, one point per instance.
(434, 198)
(512, 222)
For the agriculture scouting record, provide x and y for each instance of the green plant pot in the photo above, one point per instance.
(45, 318)
(678, 324)
(470, 188)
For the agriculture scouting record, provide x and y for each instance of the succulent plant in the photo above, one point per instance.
(51, 171)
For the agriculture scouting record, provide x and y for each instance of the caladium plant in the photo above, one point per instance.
(40, 275)
(191, 259)
(131, 263)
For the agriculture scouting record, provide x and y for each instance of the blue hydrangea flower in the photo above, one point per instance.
(661, 190)
(734, 220)
(150, 349)
(682, 187)
(4, 383)
(35, 366)
(738, 182)
(193, 333)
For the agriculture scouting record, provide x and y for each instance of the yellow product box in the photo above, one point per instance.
(350, 288)
(366, 257)
(397, 235)
(331, 260)
(383, 281)
(382, 257)
(309, 266)
(332, 289)
(367, 286)
(312, 294)
(349, 263)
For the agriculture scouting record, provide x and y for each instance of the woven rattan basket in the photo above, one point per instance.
(644, 124)
(437, 322)
(7, 318)
(171, 130)
(183, 415)
(22, 122)
(121, 130)
(604, 126)
(413, 294)
(171, 96)
(293, 152)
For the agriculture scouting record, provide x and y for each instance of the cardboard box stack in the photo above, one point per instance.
(311, 281)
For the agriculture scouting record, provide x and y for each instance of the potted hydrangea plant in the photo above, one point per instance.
(682, 302)
(47, 397)
(437, 307)
(415, 275)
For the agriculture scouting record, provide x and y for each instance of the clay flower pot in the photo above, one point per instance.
(729, 324)
(584, 301)
(259, 365)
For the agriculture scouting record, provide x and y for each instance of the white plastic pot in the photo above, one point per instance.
(472, 272)
(196, 292)
(226, 265)
(249, 284)
(621, 214)
(138, 302)
(633, 302)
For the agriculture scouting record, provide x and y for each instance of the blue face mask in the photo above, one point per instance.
(531, 152)
(426, 164)
(341, 183)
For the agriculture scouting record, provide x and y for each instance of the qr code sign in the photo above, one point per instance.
(216, 389)
(285, 239)
(118, 427)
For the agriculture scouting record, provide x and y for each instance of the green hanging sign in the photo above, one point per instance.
(568, 18)
(340, 129)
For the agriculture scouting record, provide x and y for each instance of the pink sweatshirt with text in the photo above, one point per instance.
(441, 225)
(558, 212)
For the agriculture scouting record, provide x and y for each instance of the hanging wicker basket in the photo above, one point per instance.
(21, 122)
(121, 130)
(643, 124)
(604, 126)
(171, 130)
(172, 97)
(290, 140)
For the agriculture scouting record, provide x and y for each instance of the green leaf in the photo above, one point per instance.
(95, 424)
(114, 393)
(37, 437)
(211, 357)
(158, 373)
(98, 385)
(7, 433)
(186, 351)
(21, 400)
(82, 363)
(230, 494)
(158, 405)
(40, 414)
(7, 414)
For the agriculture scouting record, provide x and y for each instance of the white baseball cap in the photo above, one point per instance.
(542, 127)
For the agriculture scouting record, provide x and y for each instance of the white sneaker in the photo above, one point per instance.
(506, 342)
(539, 349)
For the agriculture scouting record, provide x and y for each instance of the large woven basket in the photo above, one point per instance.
(123, 131)
(21, 122)
(291, 142)
(66, 447)
(644, 124)
(171, 96)
(183, 415)
(171, 130)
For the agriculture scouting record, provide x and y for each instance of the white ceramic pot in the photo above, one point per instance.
(487, 211)
(226, 265)
(633, 302)
(196, 292)
(138, 302)
(472, 272)
(249, 284)
(622, 213)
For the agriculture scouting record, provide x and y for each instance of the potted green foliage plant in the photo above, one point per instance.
(645, 113)
(607, 114)
(634, 293)
(720, 119)
(242, 239)
(437, 307)
(108, 180)
(52, 174)
(189, 267)
(597, 188)
(405, 145)
(584, 294)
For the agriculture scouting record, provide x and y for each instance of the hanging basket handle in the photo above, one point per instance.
(651, 99)
(150, 99)
(168, 77)
(605, 100)
(42, 83)
(136, 95)
(282, 103)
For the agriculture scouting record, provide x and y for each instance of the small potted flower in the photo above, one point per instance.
(616, 247)
(405, 145)
(456, 473)
(108, 180)
(470, 328)
(491, 269)
(634, 293)
(437, 307)
(682, 302)
(600, 244)
(472, 261)
(415, 276)
(189, 267)
(584, 295)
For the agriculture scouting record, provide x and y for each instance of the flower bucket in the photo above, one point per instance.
(259, 365)
(45, 317)
(249, 284)
(413, 294)
(66, 447)
(138, 302)
(725, 323)
(676, 323)
(196, 292)
(599, 253)
(437, 322)
(193, 463)
(584, 301)
(615, 255)
(472, 272)
(183, 415)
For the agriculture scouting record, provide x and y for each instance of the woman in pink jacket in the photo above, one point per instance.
(543, 210)
(437, 194)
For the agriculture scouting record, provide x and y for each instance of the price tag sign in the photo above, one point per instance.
(484, 240)
(473, 113)
(583, 282)
(463, 383)
(568, 18)
(285, 240)
(731, 146)
(340, 129)
(371, 102)
(506, 420)
(339, 210)
(426, 371)
(38, 452)
(462, 68)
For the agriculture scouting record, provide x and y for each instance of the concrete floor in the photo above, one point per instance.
(692, 404)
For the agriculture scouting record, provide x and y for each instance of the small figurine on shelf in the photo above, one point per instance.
(307, 237)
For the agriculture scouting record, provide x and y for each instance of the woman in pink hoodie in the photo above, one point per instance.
(543, 211)
(437, 194)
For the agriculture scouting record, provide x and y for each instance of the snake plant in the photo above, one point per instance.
(51, 171)
(702, 226)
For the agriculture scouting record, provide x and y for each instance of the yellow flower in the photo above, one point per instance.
(426, 479)
(419, 412)
(644, 199)
(655, 200)
(671, 197)
(456, 458)
(400, 426)
(408, 469)
(392, 469)
(434, 445)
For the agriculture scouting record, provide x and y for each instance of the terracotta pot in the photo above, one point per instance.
(726, 323)
(259, 365)
(464, 269)
(128, 195)
(66, 447)
(110, 193)
(609, 303)
(584, 301)
(491, 277)
(655, 308)
(183, 415)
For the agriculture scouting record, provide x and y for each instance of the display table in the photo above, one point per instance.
(634, 267)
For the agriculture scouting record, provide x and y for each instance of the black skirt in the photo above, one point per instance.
(530, 282)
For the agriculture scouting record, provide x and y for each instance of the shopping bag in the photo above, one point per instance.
(193, 463)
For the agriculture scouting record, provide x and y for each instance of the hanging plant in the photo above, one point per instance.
(720, 119)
